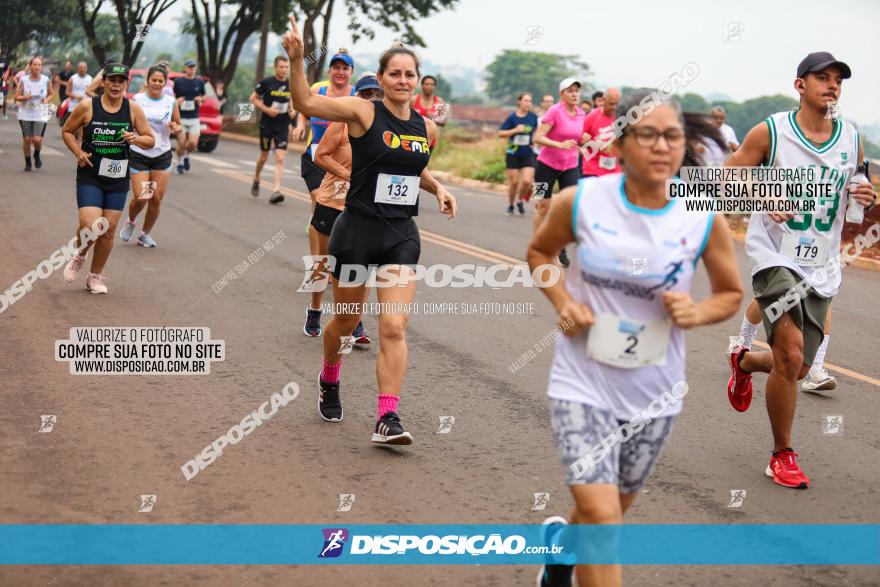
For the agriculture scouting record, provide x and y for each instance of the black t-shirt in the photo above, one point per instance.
(62, 89)
(188, 89)
(275, 92)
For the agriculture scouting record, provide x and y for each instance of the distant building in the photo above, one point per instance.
(478, 118)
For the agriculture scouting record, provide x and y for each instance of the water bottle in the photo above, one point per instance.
(855, 212)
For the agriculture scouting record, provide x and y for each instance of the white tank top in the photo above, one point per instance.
(78, 86)
(834, 162)
(159, 116)
(626, 257)
(30, 110)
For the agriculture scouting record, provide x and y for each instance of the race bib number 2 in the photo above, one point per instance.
(113, 168)
(807, 251)
(401, 190)
(628, 344)
(188, 105)
(607, 162)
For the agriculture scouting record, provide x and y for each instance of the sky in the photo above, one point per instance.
(744, 49)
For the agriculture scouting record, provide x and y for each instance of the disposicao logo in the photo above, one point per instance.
(334, 542)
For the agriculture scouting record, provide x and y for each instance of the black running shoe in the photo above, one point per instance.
(276, 198)
(553, 575)
(390, 431)
(27, 166)
(521, 208)
(563, 258)
(37, 161)
(509, 211)
(329, 405)
(255, 188)
(312, 326)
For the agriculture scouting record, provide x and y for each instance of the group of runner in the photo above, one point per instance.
(121, 144)
(623, 349)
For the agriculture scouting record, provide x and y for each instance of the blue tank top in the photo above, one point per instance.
(319, 125)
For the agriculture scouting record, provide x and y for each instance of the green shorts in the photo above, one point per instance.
(777, 287)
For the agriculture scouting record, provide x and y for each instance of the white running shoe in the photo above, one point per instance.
(145, 240)
(818, 380)
(73, 267)
(127, 230)
(95, 283)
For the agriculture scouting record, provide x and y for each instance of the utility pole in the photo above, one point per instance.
(264, 39)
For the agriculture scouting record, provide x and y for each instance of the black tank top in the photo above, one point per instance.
(102, 137)
(393, 150)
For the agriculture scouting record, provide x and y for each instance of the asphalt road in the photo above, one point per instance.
(119, 437)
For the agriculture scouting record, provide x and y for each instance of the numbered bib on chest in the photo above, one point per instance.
(628, 344)
(521, 140)
(281, 107)
(808, 251)
(402, 190)
(188, 105)
(607, 162)
(113, 168)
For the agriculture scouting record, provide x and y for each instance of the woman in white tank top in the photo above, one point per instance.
(150, 168)
(618, 373)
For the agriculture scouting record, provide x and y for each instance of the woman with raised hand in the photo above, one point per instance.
(389, 147)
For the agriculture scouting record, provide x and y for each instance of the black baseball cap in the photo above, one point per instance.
(820, 60)
(115, 69)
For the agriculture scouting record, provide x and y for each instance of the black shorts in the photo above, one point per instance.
(278, 136)
(361, 241)
(515, 162)
(324, 217)
(546, 176)
(310, 172)
(138, 162)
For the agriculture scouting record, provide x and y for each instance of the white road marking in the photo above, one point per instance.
(47, 150)
(266, 167)
(213, 162)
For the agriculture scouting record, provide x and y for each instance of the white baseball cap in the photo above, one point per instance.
(567, 83)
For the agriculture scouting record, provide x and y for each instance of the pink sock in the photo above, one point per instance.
(387, 403)
(330, 373)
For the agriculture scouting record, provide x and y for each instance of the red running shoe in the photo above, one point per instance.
(785, 471)
(739, 386)
(528, 196)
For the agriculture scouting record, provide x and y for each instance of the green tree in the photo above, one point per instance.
(514, 72)
(130, 16)
(693, 103)
(872, 151)
(222, 27)
(742, 116)
(39, 21)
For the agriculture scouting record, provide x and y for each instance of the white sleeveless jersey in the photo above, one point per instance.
(30, 110)
(834, 162)
(78, 87)
(626, 257)
(159, 116)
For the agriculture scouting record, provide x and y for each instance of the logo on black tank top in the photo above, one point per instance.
(411, 143)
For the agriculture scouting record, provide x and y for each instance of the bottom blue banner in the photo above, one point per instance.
(251, 544)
